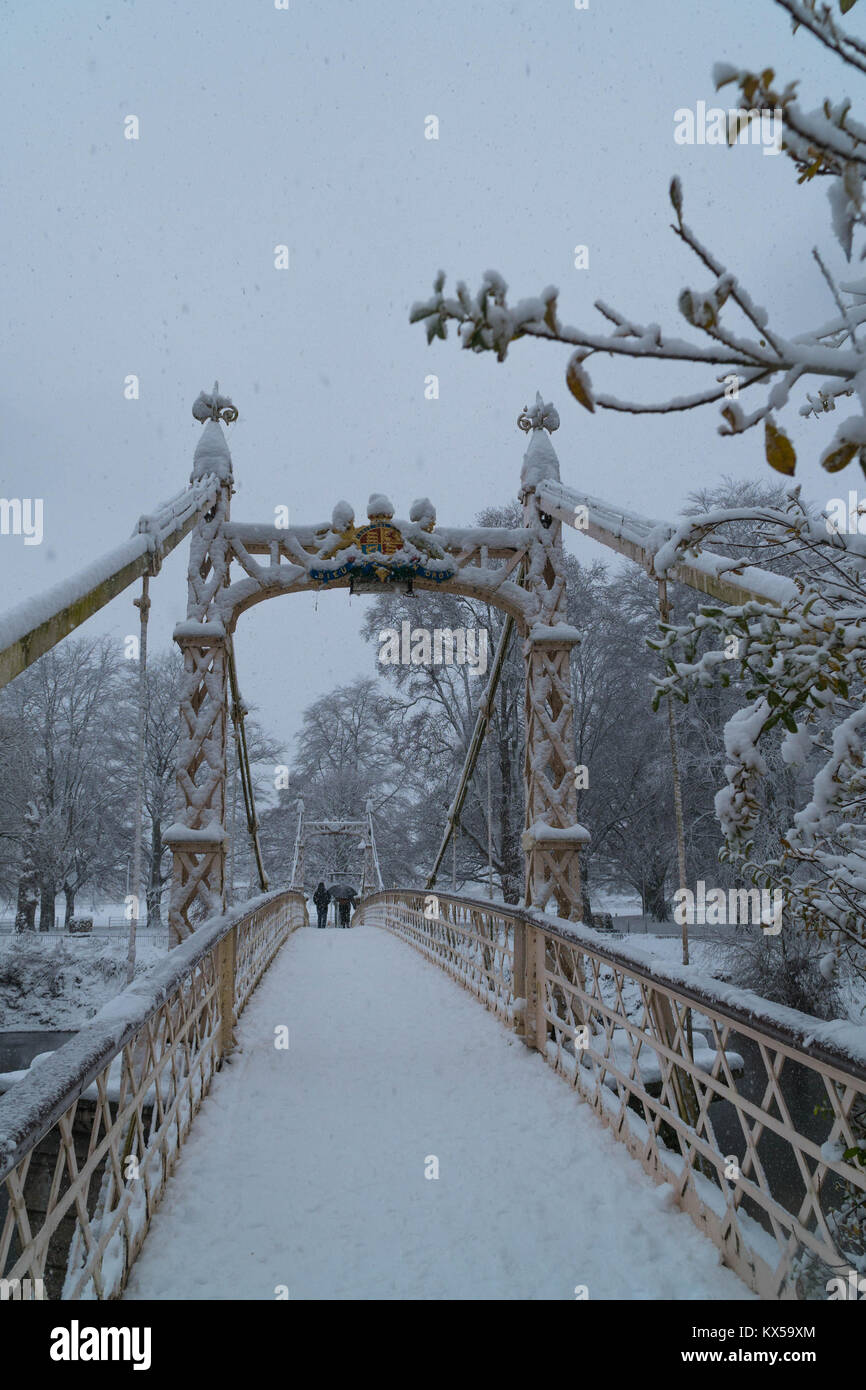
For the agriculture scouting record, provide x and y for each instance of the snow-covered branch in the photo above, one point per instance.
(827, 142)
(803, 668)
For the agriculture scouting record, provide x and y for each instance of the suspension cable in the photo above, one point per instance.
(297, 856)
(475, 743)
(489, 823)
(238, 716)
(489, 802)
(143, 606)
(665, 613)
(373, 851)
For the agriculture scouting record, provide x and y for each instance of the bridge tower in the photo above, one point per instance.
(371, 875)
(372, 879)
(198, 837)
(551, 838)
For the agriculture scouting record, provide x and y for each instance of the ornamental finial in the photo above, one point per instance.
(212, 406)
(543, 415)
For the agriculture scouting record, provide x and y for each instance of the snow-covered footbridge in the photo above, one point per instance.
(377, 1155)
(361, 1129)
(367, 1128)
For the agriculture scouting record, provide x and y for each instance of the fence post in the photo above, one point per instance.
(226, 963)
(519, 1021)
(535, 1030)
(540, 1015)
(534, 949)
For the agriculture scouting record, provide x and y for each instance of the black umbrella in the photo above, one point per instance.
(342, 892)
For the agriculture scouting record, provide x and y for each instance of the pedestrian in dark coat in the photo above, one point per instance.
(321, 898)
(347, 906)
(346, 898)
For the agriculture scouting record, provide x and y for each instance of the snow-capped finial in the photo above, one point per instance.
(210, 405)
(342, 517)
(212, 452)
(540, 461)
(542, 416)
(423, 513)
(380, 507)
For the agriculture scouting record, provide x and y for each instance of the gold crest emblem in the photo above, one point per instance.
(379, 538)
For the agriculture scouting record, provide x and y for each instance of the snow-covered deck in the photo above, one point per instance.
(306, 1168)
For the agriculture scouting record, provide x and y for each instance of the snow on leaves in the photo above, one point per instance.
(802, 664)
(486, 322)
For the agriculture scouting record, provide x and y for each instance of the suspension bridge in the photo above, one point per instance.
(737, 1111)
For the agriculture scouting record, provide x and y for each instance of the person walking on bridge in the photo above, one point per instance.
(346, 898)
(346, 905)
(321, 898)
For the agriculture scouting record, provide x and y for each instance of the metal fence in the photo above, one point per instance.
(753, 1113)
(111, 926)
(98, 938)
(88, 1140)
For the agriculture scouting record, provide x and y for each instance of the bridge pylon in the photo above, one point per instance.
(197, 837)
(552, 837)
(371, 875)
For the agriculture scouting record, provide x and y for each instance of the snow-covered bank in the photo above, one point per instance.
(306, 1167)
(714, 958)
(50, 983)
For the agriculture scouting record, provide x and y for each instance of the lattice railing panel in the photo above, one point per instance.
(745, 1114)
(87, 1141)
(472, 944)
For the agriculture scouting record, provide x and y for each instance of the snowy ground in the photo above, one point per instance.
(306, 1168)
(47, 982)
(102, 911)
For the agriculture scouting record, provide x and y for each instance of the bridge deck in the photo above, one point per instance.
(305, 1167)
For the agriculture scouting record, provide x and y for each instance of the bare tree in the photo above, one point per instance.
(73, 737)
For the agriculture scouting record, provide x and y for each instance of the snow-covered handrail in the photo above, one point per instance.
(652, 1046)
(649, 544)
(32, 628)
(136, 1074)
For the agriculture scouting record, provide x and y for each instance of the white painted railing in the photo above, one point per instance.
(89, 1138)
(745, 1108)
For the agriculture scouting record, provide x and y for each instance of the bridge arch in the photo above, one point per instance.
(244, 595)
(527, 582)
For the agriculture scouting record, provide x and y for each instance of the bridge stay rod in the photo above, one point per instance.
(482, 721)
(244, 765)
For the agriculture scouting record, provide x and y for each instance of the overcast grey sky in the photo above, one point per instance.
(306, 127)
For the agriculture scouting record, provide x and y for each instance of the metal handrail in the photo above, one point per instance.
(145, 1062)
(612, 1020)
